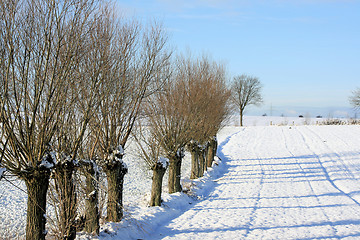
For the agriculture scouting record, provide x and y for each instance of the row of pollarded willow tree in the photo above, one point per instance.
(185, 115)
(74, 78)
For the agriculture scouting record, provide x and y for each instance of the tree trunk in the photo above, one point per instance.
(211, 151)
(241, 117)
(195, 165)
(205, 152)
(201, 161)
(66, 191)
(37, 183)
(175, 174)
(115, 172)
(157, 179)
(92, 217)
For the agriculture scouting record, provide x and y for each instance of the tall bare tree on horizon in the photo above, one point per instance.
(245, 91)
(355, 98)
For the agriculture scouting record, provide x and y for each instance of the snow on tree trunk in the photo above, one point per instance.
(115, 170)
(159, 170)
(37, 183)
(92, 216)
(175, 173)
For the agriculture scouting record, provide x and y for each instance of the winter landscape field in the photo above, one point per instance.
(276, 178)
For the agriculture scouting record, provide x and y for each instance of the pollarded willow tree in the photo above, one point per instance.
(90, 170)
(93, 70)
(41, 43)
(150, 150)
(218, 95)
(169, 125)
(135, 56)
(190, 109)
(206, 101)
(245, 91)
(82, 103)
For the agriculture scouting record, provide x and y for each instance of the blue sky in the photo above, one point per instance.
(306, 53)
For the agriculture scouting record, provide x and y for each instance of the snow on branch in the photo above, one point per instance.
(2, 171)
(164, 162)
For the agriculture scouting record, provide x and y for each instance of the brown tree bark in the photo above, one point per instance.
(115, 172)
(92, 217)
(201, 161)
(65, 188)
(37, 183)
(174, 174)
(241, 117)
(195, 165)
(211, 151)
(205, 152)
(157, 179)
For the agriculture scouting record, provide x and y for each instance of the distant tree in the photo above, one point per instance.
(355, 98)
(245, 91)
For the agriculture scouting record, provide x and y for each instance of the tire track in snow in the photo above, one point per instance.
(326, 174)
(249, 145)
(252, 218)
(308, 181)
(357, 169)
(244, 204)
(222, 157)
(339, 158)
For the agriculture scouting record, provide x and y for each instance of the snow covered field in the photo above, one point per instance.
(273, 182)
(280, 183)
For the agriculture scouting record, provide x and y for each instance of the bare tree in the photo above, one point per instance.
(246, 91)
(135, 58)
(82, 103)
(218, 108)
(206, 100)
(150, 150)
(169, 123)
(42, 43)
(355, 99)
(90, 170)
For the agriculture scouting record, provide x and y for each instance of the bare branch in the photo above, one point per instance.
(355, 99)
(246, 91)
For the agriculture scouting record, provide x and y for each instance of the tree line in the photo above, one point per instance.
(77, 82)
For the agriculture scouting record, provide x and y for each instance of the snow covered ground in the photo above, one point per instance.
(280, 183)
(273, 182)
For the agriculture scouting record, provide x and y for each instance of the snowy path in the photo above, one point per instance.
(281, 183)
